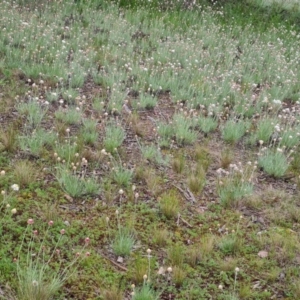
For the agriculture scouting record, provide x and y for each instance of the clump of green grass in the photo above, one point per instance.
(202, 156)
(230, 192)
(37, 279)
(178, 163)
(145, 293)
(113, 293)
(226, 158)
(149, 152)
(75, 185)
(91, 186)
(264, 131)
(70, 95)
(145, 101)
(295, 163)
(153, 181)
(153, 154)
(34, 284)
(8, 139)
(24, 172)
(193, 255)
(116, 101)
(89, 132)
(89, 125)
(123, 242)
(138, 270)
(176, 255)
(178, 276)
(274, 163)
(35, 142)
(52, 96)
(229, 245)
(234, 130)
(89, 138)
(161, 237)
(289, 139)
(98, 104)
(234, 185)
(196, 180)
(165, 130)
(122, 176)
(169, 204)
(34, 112)
(206, 246)
(207, 124)
(66, 150)
(70, 116)
(114, 137)
(78, 77)
(183, 130)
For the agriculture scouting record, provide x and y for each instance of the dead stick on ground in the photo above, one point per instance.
(186, 222)
(186, 195)
(191, 195)
(179, 217)
(114, 263)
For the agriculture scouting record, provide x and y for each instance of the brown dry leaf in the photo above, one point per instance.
(161, 271)
(201, 209)
(263, 254)
(68, 197)
(120, 259)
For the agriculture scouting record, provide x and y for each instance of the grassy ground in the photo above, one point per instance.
(149, 152)
(289, 5)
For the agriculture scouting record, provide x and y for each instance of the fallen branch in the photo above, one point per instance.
(114, 263)
(189, 196)
(183, 221)
(186, 222)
